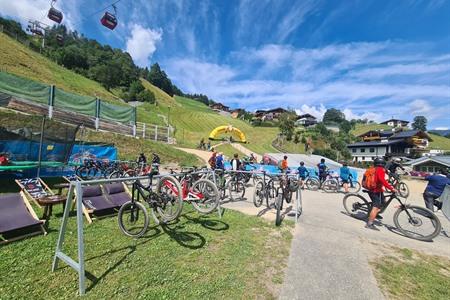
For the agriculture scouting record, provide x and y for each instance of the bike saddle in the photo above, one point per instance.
(365, 191)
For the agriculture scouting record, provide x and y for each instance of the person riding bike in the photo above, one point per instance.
(376, 193)
(156, 161)
(344, 173)
(302, 173)
(322, 170)
(435, 188)
(392, 166)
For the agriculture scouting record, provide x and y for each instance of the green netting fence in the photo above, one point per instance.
(41, 93)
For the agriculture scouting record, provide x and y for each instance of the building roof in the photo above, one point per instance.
(394, 120)
(444, 160)
(374, 143)
(381, 133)
(410, 133)
(274, 110)
(306, 116)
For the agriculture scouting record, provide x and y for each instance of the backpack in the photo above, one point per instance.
(369, 180)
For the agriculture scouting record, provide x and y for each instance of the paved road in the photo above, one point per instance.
(330, 250)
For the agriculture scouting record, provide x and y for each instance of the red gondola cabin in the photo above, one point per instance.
(55, 15)
(109, 20)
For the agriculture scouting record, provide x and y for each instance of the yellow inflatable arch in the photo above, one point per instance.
(227, 130)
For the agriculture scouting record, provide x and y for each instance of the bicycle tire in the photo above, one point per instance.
(356, 187)
(312, 184)
(271, 195)
(278, 206)
(330, 186)
(357, 206)
(209, 189)
(175, 198)
(133, 209)
(238, 188)
(115, 174)
(258, 196)
(83, 173)
(403, 189)
(416, 221)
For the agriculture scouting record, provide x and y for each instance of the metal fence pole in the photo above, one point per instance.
(143, 130)
(51, 100)
(168, 134)
(81, 275)
(97, 113)
(156, 132)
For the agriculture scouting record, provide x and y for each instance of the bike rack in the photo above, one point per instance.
(59, 254)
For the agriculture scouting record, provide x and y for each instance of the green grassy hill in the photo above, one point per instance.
(439, 142)
(192, 120)
(363, 128)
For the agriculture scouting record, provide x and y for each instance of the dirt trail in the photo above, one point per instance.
(204, 155)
(246, 151)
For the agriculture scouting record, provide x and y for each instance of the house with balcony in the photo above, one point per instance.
(306, 120)
(395, 123)
(219, 107)
(270, 114)
(409, 143)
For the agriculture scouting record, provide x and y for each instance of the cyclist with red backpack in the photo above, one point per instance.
(375, 182)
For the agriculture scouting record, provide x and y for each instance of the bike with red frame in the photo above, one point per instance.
(201, 193)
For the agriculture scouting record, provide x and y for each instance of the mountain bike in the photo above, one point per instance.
(311, 183)
(284, 193)
(335, 184)
(202, 193)
(265, 191)
(95, 168)
(220, 180)
(165, 205)
(236, 187)
(413, 221)
(400, 186)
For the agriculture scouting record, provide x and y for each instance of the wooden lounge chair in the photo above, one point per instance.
(95, 202)
(36, 190)
(117, 193)
(16, 213)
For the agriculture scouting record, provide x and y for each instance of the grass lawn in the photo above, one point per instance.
(363, 128)
(200, 257)
(439, 142)
(406, 274)
(229, 151)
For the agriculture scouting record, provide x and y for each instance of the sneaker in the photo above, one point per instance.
(371, 226)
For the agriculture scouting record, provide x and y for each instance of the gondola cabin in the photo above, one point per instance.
(55, 15)
(37, 31)
(109, 20)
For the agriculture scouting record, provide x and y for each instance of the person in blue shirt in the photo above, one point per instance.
(302, 173)
(435, 188)
(219, 161)
(344, 173)
(322, 170)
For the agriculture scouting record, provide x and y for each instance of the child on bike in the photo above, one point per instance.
(302, 173)
(344, 173)
(376, 192)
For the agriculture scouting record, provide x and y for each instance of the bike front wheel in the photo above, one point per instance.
(133, 219)
(312, 184)
(403, 189)
(357, 206)
(206, 196)
(330, 186)
(354, 187)
(258, 196)
(170, 199)
(279, 207)
(417, 222)
(237, 190)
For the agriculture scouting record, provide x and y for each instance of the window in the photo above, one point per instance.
(363, 150)
(363, 158)
(372, 150)
(353, 150)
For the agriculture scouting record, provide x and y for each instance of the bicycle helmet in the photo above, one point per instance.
(379, 162)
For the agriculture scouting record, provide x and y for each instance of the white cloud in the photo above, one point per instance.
(141, 44)
(316, 111)
(24, 10)
(349, 115)
(441, 128)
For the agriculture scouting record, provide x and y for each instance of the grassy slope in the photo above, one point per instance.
(229, 151)
(439, 142)
(17, 59)
(194, 121)
(197, 258)
(363, 128)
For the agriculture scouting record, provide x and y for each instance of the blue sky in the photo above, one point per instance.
(372, 59)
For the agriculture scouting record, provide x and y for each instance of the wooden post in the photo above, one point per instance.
(168, 134)
(156, 132)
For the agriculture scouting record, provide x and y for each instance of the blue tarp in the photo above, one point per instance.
(22, 150)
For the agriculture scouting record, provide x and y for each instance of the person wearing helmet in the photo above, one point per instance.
(376, 194)
(142, 159)
(392, 166)
(344, 173)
